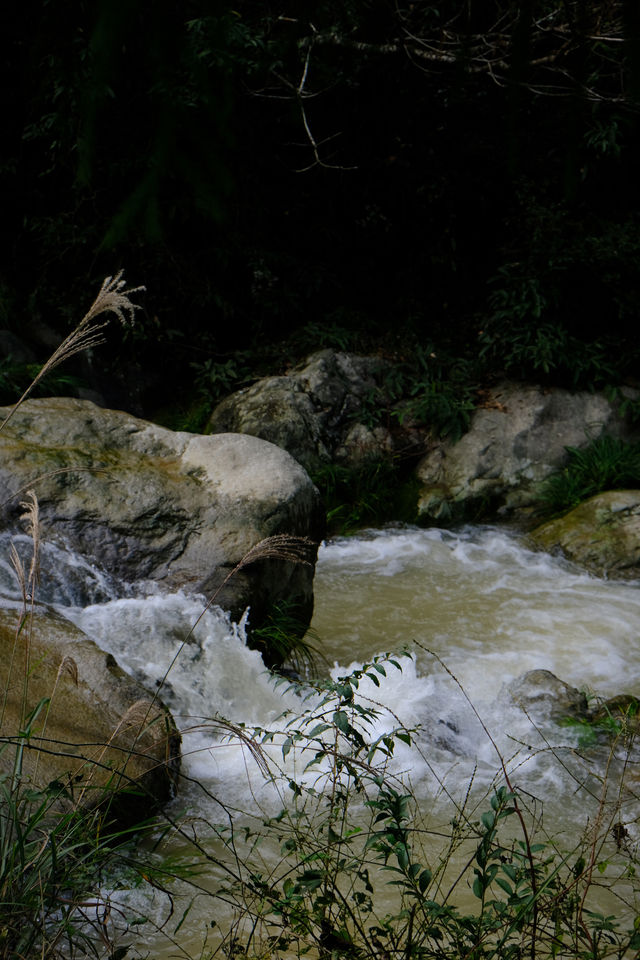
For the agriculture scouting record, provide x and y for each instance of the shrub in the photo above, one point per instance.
(358, 873)
(54, 857)
(367, 494)
(284, 640)
(437, 390)
(607, 463)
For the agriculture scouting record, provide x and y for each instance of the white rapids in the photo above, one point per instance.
(475, 609)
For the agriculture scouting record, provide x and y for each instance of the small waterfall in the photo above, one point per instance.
(475, 610)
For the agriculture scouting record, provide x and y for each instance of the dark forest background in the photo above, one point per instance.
(458, 179)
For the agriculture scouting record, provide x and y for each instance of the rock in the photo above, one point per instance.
(275, 409)
(516, 440)
(97, 732)
(317, 411)
(619, 714)
(601, 534)
(146, 502)
(362, 443)
(544, 697)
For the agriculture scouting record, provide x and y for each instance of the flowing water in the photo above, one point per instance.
(475, 609)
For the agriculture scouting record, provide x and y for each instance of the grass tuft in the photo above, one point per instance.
(113, 297)
(607, 463)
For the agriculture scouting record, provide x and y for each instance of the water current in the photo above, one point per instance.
(475, 608)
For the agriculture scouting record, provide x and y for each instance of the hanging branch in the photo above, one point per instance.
(554, 39)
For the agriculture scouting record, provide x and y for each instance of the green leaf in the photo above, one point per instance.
(488, 820)
(319, 728)
(341, 721)
(508, 889)
(402, 855)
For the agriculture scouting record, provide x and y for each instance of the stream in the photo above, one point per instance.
(475, 609)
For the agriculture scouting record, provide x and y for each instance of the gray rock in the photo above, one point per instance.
(601, 534)
(545, 697)
(275, 409)
(516, 440)
(97, 733)
(146, 502)
(315, 412)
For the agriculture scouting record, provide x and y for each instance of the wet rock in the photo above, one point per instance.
(621, 712)
(95, 732)
(146, 502)
(545, 697)
(601, 534)
(516, 440)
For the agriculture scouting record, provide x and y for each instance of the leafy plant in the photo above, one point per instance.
(628, 402)
(214, 379)
(607, 463)
(336, 331)
(612, 720)
(285, 640)
(355, 876)
(437, 390)
(190, 415)
(16, 377)
(550, 315)
(544, 349)
(370, 493)
(54, 855)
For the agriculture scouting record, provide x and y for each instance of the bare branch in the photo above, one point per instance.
(553, 39)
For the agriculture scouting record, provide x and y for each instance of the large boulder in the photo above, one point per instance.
(321, 411)
(94, 733)
(601, 534)
(146, 502)
(517, 438)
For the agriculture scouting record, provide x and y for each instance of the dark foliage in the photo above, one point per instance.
(464, 173)
(607, 463)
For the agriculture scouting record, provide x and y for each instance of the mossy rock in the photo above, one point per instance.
(180, 509)
(96, 733)
(602, 534)
(623, 709)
